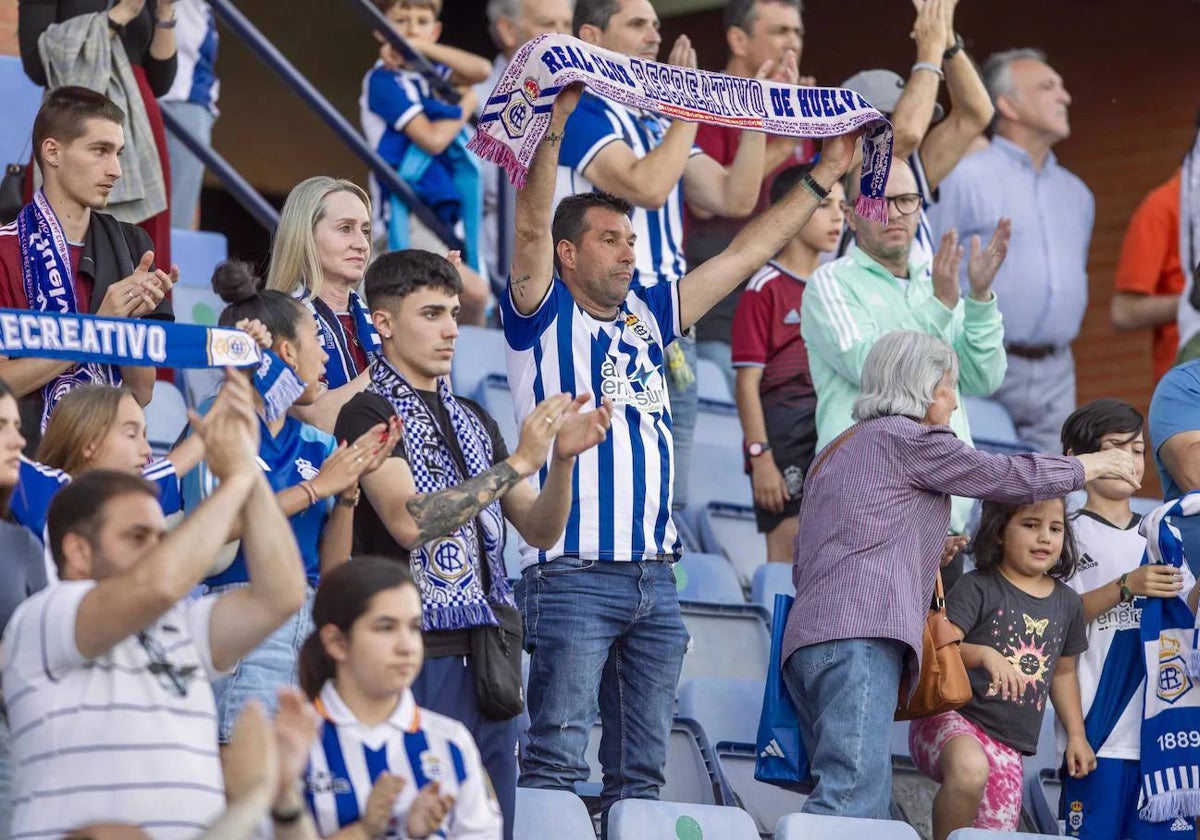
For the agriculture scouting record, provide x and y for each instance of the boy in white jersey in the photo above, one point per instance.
(1112, 581)
(602, 599)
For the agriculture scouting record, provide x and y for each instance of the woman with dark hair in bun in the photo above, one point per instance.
(381, 765)
(315, 479)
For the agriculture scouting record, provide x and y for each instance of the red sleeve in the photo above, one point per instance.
(751, 328)
(718, 142)
(1152, 234)
(12, 288)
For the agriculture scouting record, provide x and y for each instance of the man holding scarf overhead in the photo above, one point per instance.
(63, 256)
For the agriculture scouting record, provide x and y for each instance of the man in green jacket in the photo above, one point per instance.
(874, 289)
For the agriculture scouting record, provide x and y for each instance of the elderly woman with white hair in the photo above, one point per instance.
(872, 532)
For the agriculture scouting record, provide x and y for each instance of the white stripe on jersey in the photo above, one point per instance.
(824, 284)
(659, 248)
(761, 277)
(620, 508)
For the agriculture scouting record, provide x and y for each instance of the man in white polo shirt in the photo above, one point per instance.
(106, 675)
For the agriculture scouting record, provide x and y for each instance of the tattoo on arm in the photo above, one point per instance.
(437, 514)
(519, 283)
(553, 137)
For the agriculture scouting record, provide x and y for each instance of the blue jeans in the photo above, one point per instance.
(603, 637)
(683, 423)
(260, 672)
(845, 696)
(187, 170)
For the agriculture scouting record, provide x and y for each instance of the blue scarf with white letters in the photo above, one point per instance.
(49, 280)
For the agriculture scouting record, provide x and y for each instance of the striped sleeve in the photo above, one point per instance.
(834, 323)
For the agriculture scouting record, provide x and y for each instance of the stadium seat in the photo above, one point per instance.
(707, 578)
(493, 395)
(989, 420)
(1142, 505)
(166, 415)
(731, 530)
(769, 580)
(691, 772)
(478, 353)
(765, 803)
(551, 813)
(194, 305)
(687, 532)
(821, 827)
(717, 423)
(21, 99)
(197, 253)
(716, 475)
(1040, 803)
(726, 708)
(639, 819)
(981, 834)
(727, 641)
(711, 383)
(198, 384)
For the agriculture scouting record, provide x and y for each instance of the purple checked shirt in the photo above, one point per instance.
(873, 526)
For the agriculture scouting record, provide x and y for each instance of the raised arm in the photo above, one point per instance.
(914, 110)
(978, 337)
(414, 519)
(121, 605)
(532, 269)
(465, 68)
(971, 110)
(700, 290)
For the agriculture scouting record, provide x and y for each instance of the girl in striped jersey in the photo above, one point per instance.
(382, 767)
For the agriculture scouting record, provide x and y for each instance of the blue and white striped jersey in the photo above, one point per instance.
(621, 494)
(596, 123)
(416, 744)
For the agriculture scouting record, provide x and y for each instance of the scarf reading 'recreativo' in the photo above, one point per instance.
(517, 114)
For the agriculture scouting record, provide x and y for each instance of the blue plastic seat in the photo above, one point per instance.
(731, 530)
(711, 383)
(639, 819)
(990, 420)
(821, 827)
(479, 352)
(716, 475)
(21, 99)
(166, 416)
(197, 253)
(1143, 505)
(493, 395)
(551, 813)
(727, 708)
(717, 423)
(764, 802)
(707, 578)
(981, 834)
(769, 580)
(727, 641)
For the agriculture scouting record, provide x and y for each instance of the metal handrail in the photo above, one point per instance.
(273, 58)
(250, 199)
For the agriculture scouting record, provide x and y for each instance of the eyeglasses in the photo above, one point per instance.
(906, 204)
(170, 677)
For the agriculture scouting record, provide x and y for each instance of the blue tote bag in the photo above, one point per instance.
(781, 758)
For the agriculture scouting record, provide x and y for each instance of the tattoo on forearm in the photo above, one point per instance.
(437, 514)
(553, 137)
(519, 284)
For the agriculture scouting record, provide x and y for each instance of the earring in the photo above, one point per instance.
(386, 335)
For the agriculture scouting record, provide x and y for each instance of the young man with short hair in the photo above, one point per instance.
(442, 511)
(106, 674)
(63, 255)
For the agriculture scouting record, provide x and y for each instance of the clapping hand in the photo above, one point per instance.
(945, 269)
(428, 811)
(954, 544)
(230, 429)
(683, 54)
(785, 72)
(249, 761)
(984, 263)
(580, 430)
(140, 292)
(349, 463)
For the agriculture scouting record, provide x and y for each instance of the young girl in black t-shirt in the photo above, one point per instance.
(1022, 628)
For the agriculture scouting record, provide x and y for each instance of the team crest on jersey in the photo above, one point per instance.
(432, 767)
(638, 327)
(306, 469)
(1075, 818)
(322, 781)
(643, 388)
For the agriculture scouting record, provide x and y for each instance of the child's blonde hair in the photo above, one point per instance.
(386, 6)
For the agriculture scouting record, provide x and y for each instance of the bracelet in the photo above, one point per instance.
(810, 183)
(1126, 592)
(954, 50)
(287, 817)
(307, 487)
(347, 500)
(932, 68)
(167, 24)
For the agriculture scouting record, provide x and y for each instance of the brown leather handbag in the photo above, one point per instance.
(942, 685)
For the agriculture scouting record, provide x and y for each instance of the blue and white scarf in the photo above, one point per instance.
(339, 370)
(516, 115)
(1171, 720)
(49, 280)
(446, 569)
(93, 340)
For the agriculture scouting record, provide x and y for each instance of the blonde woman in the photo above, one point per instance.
(320, 251)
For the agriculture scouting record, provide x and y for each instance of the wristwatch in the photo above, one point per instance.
(759, 447)
(954, 50)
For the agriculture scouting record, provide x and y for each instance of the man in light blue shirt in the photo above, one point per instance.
(1042, 287)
